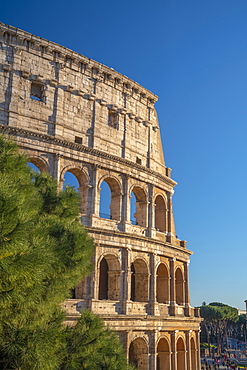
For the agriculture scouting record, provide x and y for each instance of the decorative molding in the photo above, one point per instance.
(85, 149)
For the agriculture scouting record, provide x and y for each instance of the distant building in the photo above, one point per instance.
(71, 114)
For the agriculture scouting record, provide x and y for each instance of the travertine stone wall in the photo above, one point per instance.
(72, 114)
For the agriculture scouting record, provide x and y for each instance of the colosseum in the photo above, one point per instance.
(72, 114)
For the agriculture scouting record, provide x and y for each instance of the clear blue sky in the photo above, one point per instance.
(193, 55)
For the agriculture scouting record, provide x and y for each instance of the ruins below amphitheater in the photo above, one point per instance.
(71, 114)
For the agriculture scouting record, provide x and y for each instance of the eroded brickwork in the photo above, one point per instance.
(72, 114)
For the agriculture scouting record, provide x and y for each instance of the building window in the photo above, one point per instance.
(113, 120)
(78, 140)
(36, 92)
(138, 160)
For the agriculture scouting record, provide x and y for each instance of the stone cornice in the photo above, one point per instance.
(148, 240)
(21, 38)
(84, 149)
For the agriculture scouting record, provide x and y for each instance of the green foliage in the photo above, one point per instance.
(90, 345)
(218, 319)
(44, 253)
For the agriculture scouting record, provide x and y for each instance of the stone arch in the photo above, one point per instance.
(179, 286)
(109, 278)
(162, 284)
(83, 181)
(160, 213)
(138, 353)
(139, 281)
(193, 353)
(180, 351)
(163, 355)
(141, 205)
(116, 196)
(40, 163)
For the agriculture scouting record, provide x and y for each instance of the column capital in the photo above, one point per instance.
(58, 156)
(188, 332)
(173, 332)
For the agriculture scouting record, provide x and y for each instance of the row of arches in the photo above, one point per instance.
(138, 354)
(109, 198)
(110, 205)
(110, 281)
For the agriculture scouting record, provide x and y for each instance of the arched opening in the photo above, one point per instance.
(138, 354)
(180, 354)
(77, 179)
(179, 284)
(162, 285)
(138, 206)
(193, 354)
(160, 214)
(133, 209)
(110, 199)
(38, 164)
(70, 180)
(33, 167)
(105, 201)
(103, 279)
(163, 355)
(109, 278)
(139, 281)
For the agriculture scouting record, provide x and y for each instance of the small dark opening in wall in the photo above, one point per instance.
(78, 140)
(72, 293)
(113, 120)
(138, 160)
(36, 91)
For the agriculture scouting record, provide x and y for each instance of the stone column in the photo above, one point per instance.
(188, 349)
(125, 202)
(94, 284)
(151, 212)
(56, 173)
(152, 349)
(198, 358)
(94, 196)
(172, 286)
(83, 192)
(186, 289)
(169, 218)
(127, 280)
(173, 350)
(127, 343)
(152, 286)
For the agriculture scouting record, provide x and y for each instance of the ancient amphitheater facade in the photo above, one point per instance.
(70, 113)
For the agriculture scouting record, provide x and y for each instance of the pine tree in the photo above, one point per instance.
(44, 253)
(91, 346)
